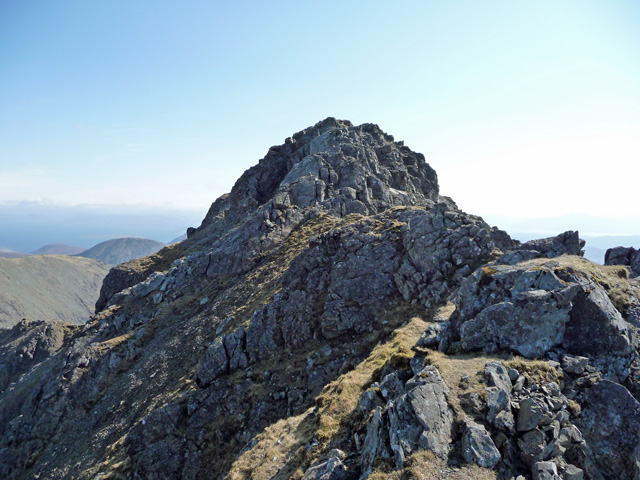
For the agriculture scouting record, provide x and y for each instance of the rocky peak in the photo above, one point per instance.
(337, 166)
(312, 328)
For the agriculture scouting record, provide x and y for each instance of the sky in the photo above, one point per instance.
(526, 110)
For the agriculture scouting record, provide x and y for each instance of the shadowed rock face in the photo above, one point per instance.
(219, 357)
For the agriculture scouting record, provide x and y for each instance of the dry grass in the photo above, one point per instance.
(443, 313)
(423, 465)
(453, 367)
(535, 371)
(277, 448)
(279, 451)
(160, 260)
(339, 398)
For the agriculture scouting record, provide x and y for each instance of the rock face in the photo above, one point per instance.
(288, 337)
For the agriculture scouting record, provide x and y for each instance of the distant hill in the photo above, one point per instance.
(122, 250)
(178, 239)
(49, 287)
(59, 249)
(12, 254)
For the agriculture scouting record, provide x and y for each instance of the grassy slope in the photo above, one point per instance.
(48, 287)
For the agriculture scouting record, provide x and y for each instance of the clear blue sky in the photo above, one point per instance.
(523, 108)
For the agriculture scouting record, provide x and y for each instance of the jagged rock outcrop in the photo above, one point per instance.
(623, 256)
(286, 338)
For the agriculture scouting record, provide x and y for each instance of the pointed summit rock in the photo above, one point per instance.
(334, 165)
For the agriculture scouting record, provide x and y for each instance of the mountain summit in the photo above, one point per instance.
(334, 317)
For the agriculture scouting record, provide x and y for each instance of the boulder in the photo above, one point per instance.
(595, 326)
(226, 354)
(478, 447)
(498, 376)
(574, 364)
(330, 469)
(530, 414)
(421, 419)
(545, 471)
(532, 446)
(528, 309)
(417, 418)
(567, 243)
(513, 307)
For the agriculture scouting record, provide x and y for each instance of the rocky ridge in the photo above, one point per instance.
(334, 317)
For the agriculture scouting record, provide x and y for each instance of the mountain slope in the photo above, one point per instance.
(58, 249)
(120, 250)
(51, 287)
(335, 317)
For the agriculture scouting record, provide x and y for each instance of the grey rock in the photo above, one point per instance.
(574, 364)
(610, 425)
(571, 472)
(545, 471)
(214, 363)
(515, 308)
(619, 255)
(432, 336)
(478, 447)
(505, 421)
(570, 435)
(330, 469)
(150, 284)
(475, 402)
(628, 256)
(498, 401)
(376, 442)
(421, 419)
(593, 312)
(530, 310)
(225, 355)
(532, 446)
(530, 414)
(497, 376)
(567, 243)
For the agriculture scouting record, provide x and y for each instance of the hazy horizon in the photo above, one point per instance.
(529, 112)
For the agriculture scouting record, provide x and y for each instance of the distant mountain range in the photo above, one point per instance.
(49, 287)
(122, 250)
(113, 251)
